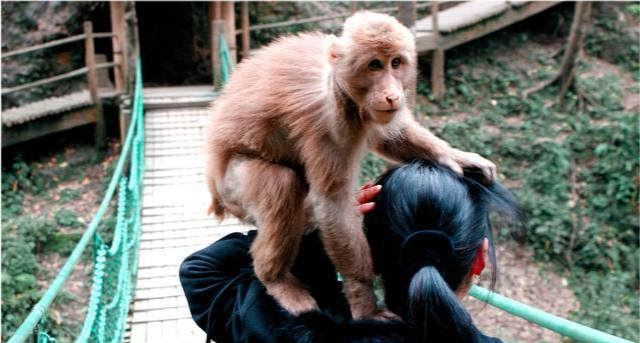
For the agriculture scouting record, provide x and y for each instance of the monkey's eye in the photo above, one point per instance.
(375, 65)
(396, 62)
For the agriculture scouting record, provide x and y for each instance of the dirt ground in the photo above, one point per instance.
(85, 177)
(532, 283)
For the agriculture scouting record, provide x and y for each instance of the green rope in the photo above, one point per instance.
(226, 61)
(549, 321)
(115, 266)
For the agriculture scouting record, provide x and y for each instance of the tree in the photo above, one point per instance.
(565, 76)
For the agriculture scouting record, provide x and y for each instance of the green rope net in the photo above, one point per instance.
(114, 265)
(227, 66)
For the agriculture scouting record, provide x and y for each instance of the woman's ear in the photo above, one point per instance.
(481, 258)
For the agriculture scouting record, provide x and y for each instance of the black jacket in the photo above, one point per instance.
(229, 303)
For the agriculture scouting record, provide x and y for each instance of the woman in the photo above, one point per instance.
(429, 234)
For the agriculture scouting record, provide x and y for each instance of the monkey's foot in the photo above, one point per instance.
(292, 297)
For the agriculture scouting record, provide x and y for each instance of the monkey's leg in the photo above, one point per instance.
(274, 196)
(347, 246)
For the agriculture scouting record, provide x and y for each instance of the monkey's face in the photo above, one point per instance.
(384, 75)
(375, 63)
(379, 83)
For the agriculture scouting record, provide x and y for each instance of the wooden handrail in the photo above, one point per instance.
(53, 43)
(319, 19)
(73, 73)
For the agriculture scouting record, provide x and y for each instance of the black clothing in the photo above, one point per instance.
(231, 305)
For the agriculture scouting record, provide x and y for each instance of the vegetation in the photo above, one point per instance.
(573, 168)
(43, 202)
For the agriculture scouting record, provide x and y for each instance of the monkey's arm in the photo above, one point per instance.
(404, 140)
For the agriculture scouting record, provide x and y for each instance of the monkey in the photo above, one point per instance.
(285, 138)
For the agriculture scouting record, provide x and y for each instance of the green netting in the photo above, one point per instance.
(115, 265)
(225, 58)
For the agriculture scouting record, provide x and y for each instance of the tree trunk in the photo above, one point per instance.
(574, 45)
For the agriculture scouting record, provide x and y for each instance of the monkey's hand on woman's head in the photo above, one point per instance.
(285, 140)
(459, 160)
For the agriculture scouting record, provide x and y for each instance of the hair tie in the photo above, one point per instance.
(426, 248)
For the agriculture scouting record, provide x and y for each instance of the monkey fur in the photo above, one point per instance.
(286, 136)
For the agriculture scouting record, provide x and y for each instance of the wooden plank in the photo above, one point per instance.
(139, 333)
(158, 293)
(154, 320)
(428, 41)
(151, 272)
(170, 331)
(44, 46)
(187, 328)
(186, 232)
(47, 125)
(154, 330)
(71, 74)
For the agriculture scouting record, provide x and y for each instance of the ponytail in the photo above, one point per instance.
(435, 313)
(425, 233)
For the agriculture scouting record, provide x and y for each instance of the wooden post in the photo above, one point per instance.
(229, 16)
(92, 80)
(118, 43)
(132, 44)
(246, 43)
(434, 19)
(125, 117)
(437, 60)
(352, 7)
(407, 14)
(218, 28)
(217, 10)
(437, 74)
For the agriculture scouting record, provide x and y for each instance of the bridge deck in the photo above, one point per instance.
(174, 220)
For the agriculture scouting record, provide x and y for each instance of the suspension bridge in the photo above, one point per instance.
(161, 200)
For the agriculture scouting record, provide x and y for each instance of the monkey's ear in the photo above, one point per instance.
(334, 49)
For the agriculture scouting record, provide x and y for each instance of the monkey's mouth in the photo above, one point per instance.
(387, 111)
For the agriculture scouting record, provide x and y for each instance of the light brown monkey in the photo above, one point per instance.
(286, 137)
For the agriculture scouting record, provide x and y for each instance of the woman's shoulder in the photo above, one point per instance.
(325, 327)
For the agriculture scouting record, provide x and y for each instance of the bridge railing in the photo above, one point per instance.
(89, 69)
(114, 265)
(223, 13)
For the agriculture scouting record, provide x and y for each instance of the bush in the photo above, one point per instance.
(22, 238)
(67, 218)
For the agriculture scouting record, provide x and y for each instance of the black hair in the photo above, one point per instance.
(419, 197)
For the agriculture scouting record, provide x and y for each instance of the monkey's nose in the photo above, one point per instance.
(392, 98)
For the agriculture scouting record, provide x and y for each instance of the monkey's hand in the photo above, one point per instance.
(458, 160)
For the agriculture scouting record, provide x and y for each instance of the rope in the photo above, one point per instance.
(115, 266)
(226, 60)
